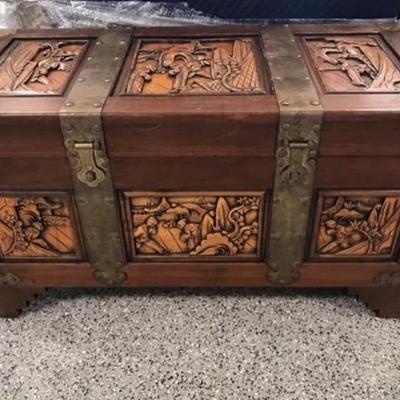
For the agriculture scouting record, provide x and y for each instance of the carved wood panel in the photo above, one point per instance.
(194, 225)
(37, 226)
(358, 63)
(205, 66)
(39, 67)
(356, 225)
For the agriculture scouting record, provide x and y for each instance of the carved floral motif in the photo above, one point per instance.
(354, 63)
(195, 67)
(36, 227)
(37, 67)
(351, 226)
(195, 225)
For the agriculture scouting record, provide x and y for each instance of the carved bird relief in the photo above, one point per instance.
(361, 60)
(38, 67)
(195, 67)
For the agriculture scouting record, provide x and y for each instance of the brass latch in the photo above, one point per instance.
(297, 158)
(90, 157)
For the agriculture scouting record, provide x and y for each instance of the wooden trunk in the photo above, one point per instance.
(218, 156)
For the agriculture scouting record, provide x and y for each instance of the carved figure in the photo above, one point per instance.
(31, 66)
(35, 227)
(195, 225)
(358, 226)
(195, 67)
(361, 59)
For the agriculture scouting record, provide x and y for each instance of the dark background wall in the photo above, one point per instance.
(285, 9)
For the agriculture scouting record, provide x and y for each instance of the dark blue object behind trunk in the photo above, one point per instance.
(288, 9)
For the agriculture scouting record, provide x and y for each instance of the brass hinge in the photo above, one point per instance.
(82, 128)
(296, 154)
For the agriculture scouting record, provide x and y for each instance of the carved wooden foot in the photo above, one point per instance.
(385, 301)
(13, 300)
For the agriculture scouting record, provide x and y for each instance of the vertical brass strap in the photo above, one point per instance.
(82, 128)
(296, 153)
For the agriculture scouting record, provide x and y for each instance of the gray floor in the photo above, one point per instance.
(200, 344)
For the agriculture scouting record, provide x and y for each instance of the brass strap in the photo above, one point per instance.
(296, 153)
(82, 128)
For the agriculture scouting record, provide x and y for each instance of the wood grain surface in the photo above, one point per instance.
(194, 125)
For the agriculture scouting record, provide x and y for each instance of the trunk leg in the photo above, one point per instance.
(14, 299)
(385, 301)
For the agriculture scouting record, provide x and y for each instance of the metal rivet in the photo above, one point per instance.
(281, 152)
(96, 128)
(315, 103)
(107, 80)
(82, 200)
(299, 56)
(97, 105)
(90, 176)
(292, 40)
(285, 102)
(304, 200)
(278, 78)
(307, 78)
(311, 163)
(109, 201)
(98, 43)
(316, 127)
(116, 58)
(81, 79)
(69, 104)
(122, 42)
(90, 58)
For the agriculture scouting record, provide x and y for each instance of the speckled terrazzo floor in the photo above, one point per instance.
(199, 344)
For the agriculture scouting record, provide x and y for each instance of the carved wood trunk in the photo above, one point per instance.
(224, 156)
